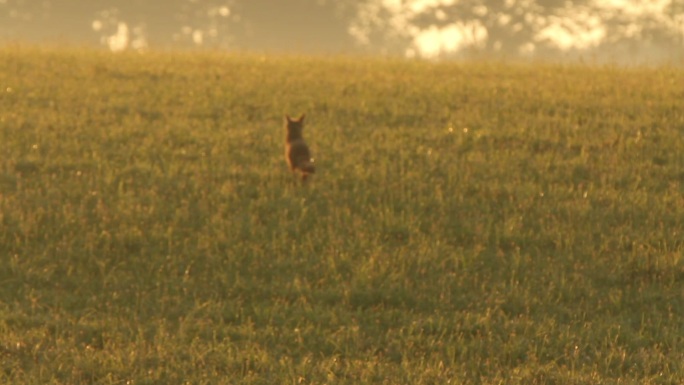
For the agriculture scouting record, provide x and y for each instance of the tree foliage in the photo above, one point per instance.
(421, 27)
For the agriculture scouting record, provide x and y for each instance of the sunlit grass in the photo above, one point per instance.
(473, 222)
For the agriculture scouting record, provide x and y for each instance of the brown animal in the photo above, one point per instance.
(297, 152)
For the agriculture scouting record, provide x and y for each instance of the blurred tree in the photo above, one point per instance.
(515, 27)
(444, 27)
(293, 25)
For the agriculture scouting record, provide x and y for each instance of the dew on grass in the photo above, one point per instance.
(9, 90)
(34, 147)
(465, 130)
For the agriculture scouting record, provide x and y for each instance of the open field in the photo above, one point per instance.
(469, 223)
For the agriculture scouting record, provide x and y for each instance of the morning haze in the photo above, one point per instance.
(177, 209)
(618, 30)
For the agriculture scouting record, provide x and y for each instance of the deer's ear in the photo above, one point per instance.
(301, 118)
(288, 118)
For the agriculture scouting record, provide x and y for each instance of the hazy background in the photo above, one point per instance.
(631, 31)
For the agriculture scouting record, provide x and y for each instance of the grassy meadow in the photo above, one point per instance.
(469, 223)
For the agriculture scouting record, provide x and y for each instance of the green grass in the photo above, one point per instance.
(478, 223)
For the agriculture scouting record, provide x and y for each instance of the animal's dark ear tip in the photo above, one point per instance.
(289, 119)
